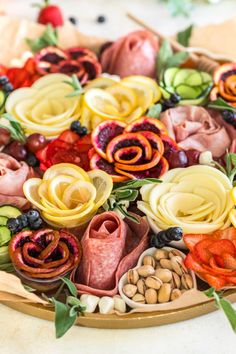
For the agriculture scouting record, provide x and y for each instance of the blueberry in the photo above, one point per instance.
(166, 104)
(73, 20)
(174, 98)
(82, 131)
(32, 215)
(101, 19)
(13, 225)
(4, 80)
(174, 233)
(32, 160)
(36, 224)
(23, 221)
(228, 116)
(8, 88)
(75, 126)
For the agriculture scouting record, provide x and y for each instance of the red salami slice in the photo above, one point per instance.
(110, 247)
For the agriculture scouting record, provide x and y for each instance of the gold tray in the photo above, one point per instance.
(135, 320)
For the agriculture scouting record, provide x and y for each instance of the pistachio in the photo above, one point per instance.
(175, 282)
(166, 263)
(129, 290)
(139, 298)
(160, 254)
(146, 270)
(141, 286)
(164, 293)
(132, 276)
(153, 282)
(164, 274)
(119, 304)
(174, 253)
(177, 265)
(175, 294)
(187, 281)
(106, 305)
(149, 260)
(151, 296)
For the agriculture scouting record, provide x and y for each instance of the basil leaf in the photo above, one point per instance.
(63, 320)
(71, 286)
(221, 105)
(123, 194)
(48, 38)
(183, 37)
(177, 59)
(164, 54)
(154, 111)
(73, 311)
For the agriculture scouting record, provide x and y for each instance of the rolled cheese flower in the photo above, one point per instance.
(46, 106)
(196, 198)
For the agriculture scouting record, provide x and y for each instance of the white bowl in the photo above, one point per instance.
(155, 229)
(163, 306)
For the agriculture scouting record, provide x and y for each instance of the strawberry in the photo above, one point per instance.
(50, 14)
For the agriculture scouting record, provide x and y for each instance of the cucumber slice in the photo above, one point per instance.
(169, 76)
(188, 92)
(206, 78)
(9, 211)
(194, 79)
(181, 76)
(3, 220)
(4, 255)
(165, 93)
(5, 235)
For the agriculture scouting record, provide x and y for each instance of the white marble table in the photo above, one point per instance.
(21, 334)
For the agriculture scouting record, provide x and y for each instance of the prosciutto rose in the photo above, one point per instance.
(134, 54)
(13, 175)
(110, 246)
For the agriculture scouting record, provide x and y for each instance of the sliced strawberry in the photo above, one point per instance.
(222, 246)
(191, 240)
(191, 262)
(229, 233)
(68, 137)
(84, 143)
(215, 281)
(67, 156)
(229, 261)
(201, 250)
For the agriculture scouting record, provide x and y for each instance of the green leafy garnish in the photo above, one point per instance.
(166, 58)
(48, 38)
(154, 111)
(125, 192)
(75, 84)
(183, 37)
(66, 313)
(224, 305)
(221, 105)
(14, 128)
(230, 166)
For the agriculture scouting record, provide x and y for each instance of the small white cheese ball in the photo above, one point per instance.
(106, 305)
(90, 301)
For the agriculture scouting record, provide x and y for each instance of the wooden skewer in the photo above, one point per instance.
(201, 62)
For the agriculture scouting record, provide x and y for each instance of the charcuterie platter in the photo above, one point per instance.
(117, 169)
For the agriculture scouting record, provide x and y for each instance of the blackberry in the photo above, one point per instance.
(32, 160)
(164, 237)
(167, 104)
(101, 19)
(229, 116)
(4, 80)
(23, 220)
(174, 98)
(82, 131)
(36, 224)
(75, 126)
(32, 215)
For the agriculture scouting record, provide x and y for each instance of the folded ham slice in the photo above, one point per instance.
(13, 175)
(134, 54)
(110, 246)
(196, 128)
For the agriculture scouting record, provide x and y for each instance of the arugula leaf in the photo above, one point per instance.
(183, 37)
(71, 286)
(221, 105)
(224, 305)
(64, 319)
(154, 111)
(48, 38)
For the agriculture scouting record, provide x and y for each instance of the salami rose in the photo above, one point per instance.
(110, 246)
(134, 54)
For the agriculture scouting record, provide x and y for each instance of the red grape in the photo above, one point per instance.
(5, 137)
(193, 157)
(177, 159)
(36, 142)
(16, 150)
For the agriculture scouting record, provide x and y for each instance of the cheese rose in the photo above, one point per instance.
(196, 198)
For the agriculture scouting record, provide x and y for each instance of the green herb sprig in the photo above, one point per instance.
(75, 84)
(221, 104)
(48, 38)
(179, 7)
(66, 313)
(183, 37)
(230, 166)
(125, 192)
(166, 58)
(14, 128)
(224, 305)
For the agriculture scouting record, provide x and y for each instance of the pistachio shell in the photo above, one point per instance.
(151, 296)
(149, 260)
(141, 286)
(153, 282)
(139, 298)
(146, 271)
(164, 293)
(160, 254)
(132, 276)
(129, 290)
(164, 274)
